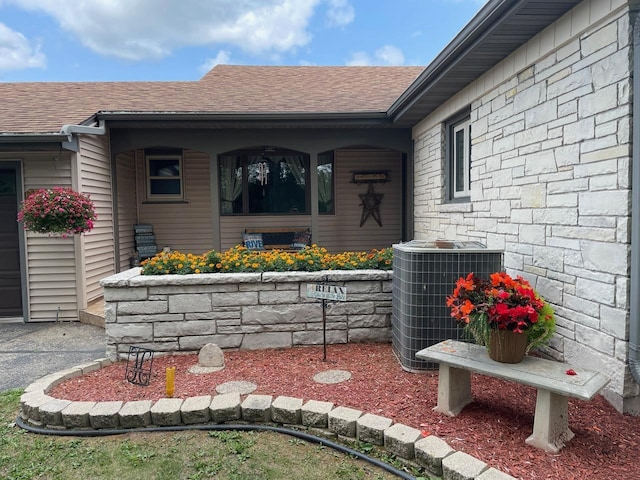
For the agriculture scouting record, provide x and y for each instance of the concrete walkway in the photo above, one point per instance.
(29, 351)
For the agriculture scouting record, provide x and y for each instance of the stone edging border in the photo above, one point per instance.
(322, 418)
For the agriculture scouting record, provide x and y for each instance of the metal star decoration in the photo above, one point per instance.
(370, 205)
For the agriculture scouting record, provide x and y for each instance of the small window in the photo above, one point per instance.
(459, 159)
(326, 197)
(164, 177)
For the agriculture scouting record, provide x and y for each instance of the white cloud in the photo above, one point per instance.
(16, 53)
(390, 55)
(222, 57)
(386, 55)
(154, 28)
(359, 59)
(340, 13)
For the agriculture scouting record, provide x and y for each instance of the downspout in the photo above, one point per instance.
(634, 311)
(72, 143)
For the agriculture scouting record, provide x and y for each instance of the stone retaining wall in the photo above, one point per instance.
(245, 310)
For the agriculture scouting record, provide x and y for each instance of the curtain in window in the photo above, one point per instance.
(230, 182)
(325, 183)
(296, 166)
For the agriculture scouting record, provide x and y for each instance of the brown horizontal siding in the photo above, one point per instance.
(342, 231)
(52, 277)
(186, 227)
(127, 210)
(51, 262)
(95, 179)
(46, 171)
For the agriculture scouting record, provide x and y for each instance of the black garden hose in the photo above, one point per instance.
(222, 427)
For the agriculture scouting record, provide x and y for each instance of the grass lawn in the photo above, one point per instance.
(170, 455)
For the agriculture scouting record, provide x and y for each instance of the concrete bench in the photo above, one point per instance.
(551, 422)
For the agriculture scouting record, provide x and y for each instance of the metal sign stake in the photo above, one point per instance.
(324, 330)
(324, 291)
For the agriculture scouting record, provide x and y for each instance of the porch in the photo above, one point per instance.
(204, 191)
(93, 314)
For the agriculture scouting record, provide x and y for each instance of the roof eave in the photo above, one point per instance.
(487, 22)
(249, 118)
(479, 26)
(32, 137)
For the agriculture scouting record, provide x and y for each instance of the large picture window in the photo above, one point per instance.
(267, 181)
(459, 158)
(164, 176)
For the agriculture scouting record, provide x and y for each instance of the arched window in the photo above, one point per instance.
(264, 181)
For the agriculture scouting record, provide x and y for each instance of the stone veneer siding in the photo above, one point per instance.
(550, 174)
(245, 310)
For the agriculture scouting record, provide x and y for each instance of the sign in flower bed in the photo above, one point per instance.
(252, 300)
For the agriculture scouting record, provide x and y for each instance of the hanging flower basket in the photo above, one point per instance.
(57, 210)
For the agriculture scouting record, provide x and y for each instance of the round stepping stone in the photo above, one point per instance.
(197, 369)
(332, 376)
(242, 387)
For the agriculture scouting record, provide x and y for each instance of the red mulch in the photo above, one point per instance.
(492, 428)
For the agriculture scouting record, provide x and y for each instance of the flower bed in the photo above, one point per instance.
(242, 310)
(239, 259)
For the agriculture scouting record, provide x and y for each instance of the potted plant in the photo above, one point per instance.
(57, 210)
(502, 313)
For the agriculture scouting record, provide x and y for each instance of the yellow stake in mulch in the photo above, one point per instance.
(170, 381)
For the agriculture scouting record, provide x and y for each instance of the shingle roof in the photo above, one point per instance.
(45, 107)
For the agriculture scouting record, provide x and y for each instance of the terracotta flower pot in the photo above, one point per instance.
(506, 346)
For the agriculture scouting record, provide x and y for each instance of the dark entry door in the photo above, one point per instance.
(10, 279)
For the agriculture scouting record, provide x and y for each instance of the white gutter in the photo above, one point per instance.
(69, 130)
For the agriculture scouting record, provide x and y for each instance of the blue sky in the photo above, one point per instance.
(121, 40)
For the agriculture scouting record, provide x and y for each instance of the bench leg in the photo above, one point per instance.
(454, 390)
(551, 422)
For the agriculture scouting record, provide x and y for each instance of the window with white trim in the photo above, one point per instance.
(459, 159)
(164, 177)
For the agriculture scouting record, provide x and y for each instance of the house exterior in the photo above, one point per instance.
(519, 135)
(184, 157)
